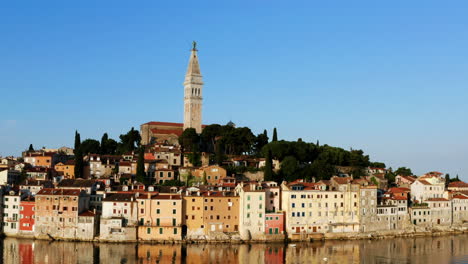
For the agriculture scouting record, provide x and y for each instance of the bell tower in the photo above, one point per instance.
(193, 87)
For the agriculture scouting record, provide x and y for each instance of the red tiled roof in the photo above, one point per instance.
(65, 192)
(342, 180)
(164, 124)
(424, 182)
(398, 190)
(458, 184)
(87, 213)
(460, 196)
(399, 198)
(167, 131)
(437, 200)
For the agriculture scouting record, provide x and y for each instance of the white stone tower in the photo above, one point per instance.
(193, 86)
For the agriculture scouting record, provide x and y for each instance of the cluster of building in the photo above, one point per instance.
(216, 206)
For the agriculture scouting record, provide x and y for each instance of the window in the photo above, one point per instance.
(160, 230)
(248, 197)
(158, 211)
(148, 230)
(175, 231)
(174, 211)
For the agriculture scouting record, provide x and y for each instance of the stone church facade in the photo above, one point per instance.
(167, 132)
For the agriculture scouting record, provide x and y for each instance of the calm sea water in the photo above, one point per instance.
(425, 250)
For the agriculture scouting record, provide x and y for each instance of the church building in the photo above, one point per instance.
(166, 132)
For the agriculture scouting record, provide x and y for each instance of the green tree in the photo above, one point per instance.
(204, 180)
(447, 180)
(403, 171)
(77, 140)
(31, 148)
(275, 135)
(90, 146)
(140, 172)
(129, 141)
(104, 140)
(289, 167)
(260, 141)
(374, 181)
(268, 170)
(219, 157)
(78, 156)
(377, 165)
(189, 140)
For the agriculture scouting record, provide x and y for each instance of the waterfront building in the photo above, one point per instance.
(251, 211)
(310, 211)
(420, 215)
(160, 217)
(102, 165)
(119, 217)
(368, 208)
(460, 208)
(441, 211)
(11, 213)
(27, 216)
(404, 181)
(57, 212)
(274, 223)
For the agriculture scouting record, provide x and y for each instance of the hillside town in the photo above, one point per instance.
(42, 198)
(193, 182)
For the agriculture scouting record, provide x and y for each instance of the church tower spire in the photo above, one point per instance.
(193, 86)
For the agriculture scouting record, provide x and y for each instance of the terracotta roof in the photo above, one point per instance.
(437, 200)
(119, 197)
(65, 192)
(87, 213)
(167, 131)
(398, 190)
(460, 196)
(424, 182)
(458, 184)
(125, 163)
(36, 183)
(164, 124)
(341, 180)
(76, 183)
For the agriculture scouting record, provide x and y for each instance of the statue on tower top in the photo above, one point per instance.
(194, 44)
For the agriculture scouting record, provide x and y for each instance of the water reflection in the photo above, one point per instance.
(402, 250)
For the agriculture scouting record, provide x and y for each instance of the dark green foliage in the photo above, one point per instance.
(390, 176)
(377, 165)
(208, 137)
(260, 141)
(454, 179)
(232, 140)
(195, 158)
(219, 157)
(403, 171)
(31, 148)
(275, 135)
(78, 156)
(311, 160)
(140, 171)
(189, 140)
(129, 142)
(77, 141)
(108, 145)
(268, 170)
(90, 146)
(447, 180)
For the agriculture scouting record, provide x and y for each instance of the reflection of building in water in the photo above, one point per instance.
(333, 251)
(422, 250)
(148, 253)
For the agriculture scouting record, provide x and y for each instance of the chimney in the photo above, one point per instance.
(209, 193)
(149, 195)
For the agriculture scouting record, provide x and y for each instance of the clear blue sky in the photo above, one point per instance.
(388, 77)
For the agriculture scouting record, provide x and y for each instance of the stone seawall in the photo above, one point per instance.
(235, 239)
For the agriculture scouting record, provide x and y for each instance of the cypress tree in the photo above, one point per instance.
(31, 147)
(140, 173)
(104, 149)
(78, 156)
(77, 141)
(275, 135)
(268, 173)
